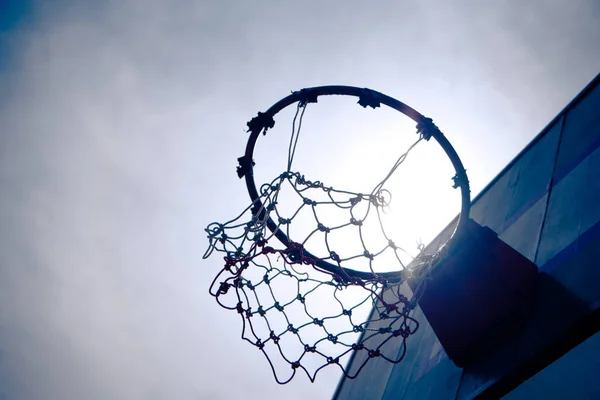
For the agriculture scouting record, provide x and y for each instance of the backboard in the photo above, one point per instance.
(546, 205)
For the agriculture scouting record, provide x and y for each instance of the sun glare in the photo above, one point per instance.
(353, 149)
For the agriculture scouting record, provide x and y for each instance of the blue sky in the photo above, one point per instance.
(119, 143)
(14, 14)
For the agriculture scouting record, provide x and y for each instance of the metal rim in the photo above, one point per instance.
(366, 98)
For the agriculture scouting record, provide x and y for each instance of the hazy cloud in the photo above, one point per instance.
(120, 126)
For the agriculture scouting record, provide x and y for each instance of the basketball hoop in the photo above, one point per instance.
(270, 276)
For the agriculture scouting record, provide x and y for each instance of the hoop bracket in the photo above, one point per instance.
(263, 121)
(306, 96)
(245, 165)
(426, 128)
(368, 98)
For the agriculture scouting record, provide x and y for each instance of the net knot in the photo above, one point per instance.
(214, 229)
(374, 353)
(310, 349)
(401, 332)
(274, 337)
(357, 329)
(357, 346)
(239, 308)
(323, 228)
(382, 198)
(390, 308)
(268, 250)
(355, 221)
(355, 200)
(229, 261)
(309, 202)
(223, 288)
(334, 256)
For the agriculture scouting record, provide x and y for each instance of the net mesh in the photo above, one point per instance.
(302, 314)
